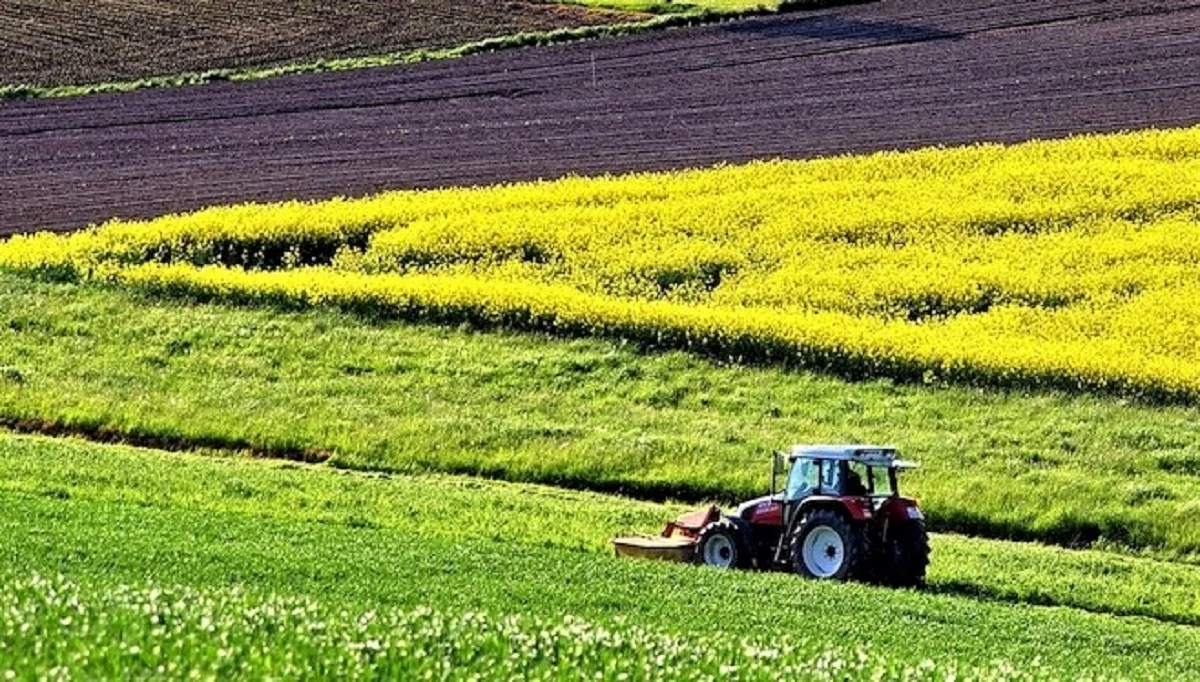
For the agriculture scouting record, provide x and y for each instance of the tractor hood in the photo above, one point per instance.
(745, 507)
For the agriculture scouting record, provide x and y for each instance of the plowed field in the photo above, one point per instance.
(893, 74)
(89, 41)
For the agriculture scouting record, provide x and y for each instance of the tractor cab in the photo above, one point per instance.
(859, 481)
(838, 471)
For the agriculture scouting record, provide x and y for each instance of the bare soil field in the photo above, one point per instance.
(892, 74)
(89, 41)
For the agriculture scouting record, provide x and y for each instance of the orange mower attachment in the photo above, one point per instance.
(677, 542)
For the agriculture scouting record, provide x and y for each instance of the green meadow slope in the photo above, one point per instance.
(251, 567)
(1074, 470)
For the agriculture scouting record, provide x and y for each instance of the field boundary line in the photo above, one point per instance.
(96, 432)
(660, 19)
(644, 491)
(29, 91)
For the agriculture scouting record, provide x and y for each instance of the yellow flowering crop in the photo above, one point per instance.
(1071, 263)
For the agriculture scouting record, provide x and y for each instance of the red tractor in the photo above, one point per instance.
(839, 516)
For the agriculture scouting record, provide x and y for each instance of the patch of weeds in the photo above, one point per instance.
(12, 375)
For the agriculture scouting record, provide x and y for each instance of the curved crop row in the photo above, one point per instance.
(1065, 264)
(1012, 346)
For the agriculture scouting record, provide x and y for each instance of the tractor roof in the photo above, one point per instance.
(871, 455)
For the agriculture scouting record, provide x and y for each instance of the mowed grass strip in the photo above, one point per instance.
(532, 38)
(148, 43)
(1075, 470)
(461, 508)
(106, 516)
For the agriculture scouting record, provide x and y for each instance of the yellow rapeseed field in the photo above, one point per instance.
(1072, 263)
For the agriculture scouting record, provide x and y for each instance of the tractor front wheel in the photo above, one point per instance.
(721, 545)
(828, 546)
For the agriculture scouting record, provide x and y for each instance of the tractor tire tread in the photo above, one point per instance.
(741, 557)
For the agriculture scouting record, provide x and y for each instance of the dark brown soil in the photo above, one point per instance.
(894, 74)
(59, 42)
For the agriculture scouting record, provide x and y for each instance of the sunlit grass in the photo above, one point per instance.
(229, 542)
(458, 508)
(583, 413)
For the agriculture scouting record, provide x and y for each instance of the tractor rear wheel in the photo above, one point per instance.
(721, 545)
(828, 546)
(906, 555)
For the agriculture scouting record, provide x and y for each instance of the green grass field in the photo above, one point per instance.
(1074, 470)
(258, 551)
(471, 481)
(460, 508)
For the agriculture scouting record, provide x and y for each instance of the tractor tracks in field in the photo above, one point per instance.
(202, 117)
(988, 593)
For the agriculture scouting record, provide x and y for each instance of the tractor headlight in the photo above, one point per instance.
(915, 514)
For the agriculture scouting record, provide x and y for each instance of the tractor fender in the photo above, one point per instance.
(744, 528)
(841, 505)
(857, 508)
(896, 510)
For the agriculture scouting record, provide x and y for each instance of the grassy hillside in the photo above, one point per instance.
(458, 508)
(651, 335)
(254, 547)
(588, 414)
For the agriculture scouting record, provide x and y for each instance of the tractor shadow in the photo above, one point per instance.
(984, 593)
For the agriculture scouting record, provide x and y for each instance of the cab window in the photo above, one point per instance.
(831, 478)
(883, 482)
(803, 479)
(858, 479)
